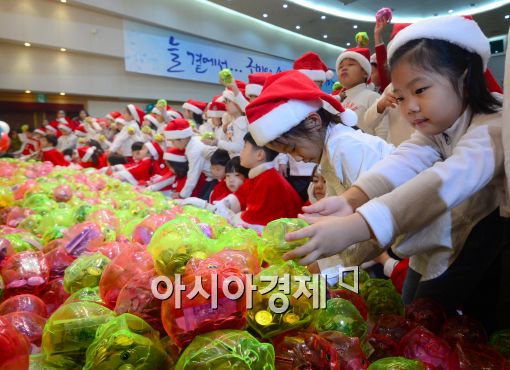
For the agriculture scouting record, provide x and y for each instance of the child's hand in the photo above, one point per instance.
(388, 100)
(282, 169)
(329, 206)
(378, 29)
(211, 142)
(329, 236)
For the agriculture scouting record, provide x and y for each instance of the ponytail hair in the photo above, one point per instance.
(451, 61)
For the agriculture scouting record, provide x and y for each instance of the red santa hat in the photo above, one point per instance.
(312, 65)
(120, 119)
(173, 114)
(52, 127)
(195, 106)
(287, 99)
(360, 55)
(461, 31)
(255, 83)
(397, 27)
(113, 115)
(136, 112)
(229, 94)
(40, 131)
(154, 149)
(152, 119)
(175, 155)
(178, 129)
(85, 152)
(65, 127)
(216, 109)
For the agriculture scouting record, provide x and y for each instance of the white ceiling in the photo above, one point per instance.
(340, 30)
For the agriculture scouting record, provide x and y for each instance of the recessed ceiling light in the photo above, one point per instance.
(62, 93)
(323, 17)
(63, 49)
(450, 11)
(325, 36)
(348, 44)
(507, 16)
(63, 1)
(27, 44)
(285, 6)
(27, 91)
(265, 15)
(355, 26)
(298, 27)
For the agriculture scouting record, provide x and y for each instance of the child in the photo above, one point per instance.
(180, 135)
(92, 156)
(129, 127)
(178, 164)
(235, 174)
(266, 195)
(317, 188)
(450, 170)
(312, 66)
(67, 140)
(354, 69)
(215, 113)
(219, 160)
(50, 152)
(255, 84)
(193, 110)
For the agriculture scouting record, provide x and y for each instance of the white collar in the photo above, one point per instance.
(261, 168)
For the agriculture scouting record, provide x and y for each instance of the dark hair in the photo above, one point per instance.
(451, 61)
(115, 158)
(138, 145)
(180, 169)
(68, 151)
(97, 153)
(314, 172)
(234, 166)
(220, 157)
(301, 129)
(270, 154)
(83, 110)
(199, 119)
(52, 139)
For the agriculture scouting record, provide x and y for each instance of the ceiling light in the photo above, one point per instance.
(298, 27)
(325, 36)
(450, 11)
(63, 49)
(355, 26)
(285, 6)
(27, 44)
(63, 1)
(507, 16)
(348, 44)
(27, 91)
(323, 17)
(62, 93)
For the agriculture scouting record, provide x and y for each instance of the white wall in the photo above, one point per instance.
(92, 32)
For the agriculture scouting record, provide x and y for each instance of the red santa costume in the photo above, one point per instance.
(129, 134)
(265, 196)
(198, 165)
(85, 154)
(158, 162)
(219, 192)
(52, 128)
(52, 155)
(168, 184)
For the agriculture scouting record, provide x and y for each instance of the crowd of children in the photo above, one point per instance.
(406, 157)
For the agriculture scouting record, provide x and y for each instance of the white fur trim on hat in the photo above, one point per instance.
(215, 113)
(178, 134)
(63, 127)
(39, 131)
(120, 120)
(317, 74)
(88, 153)
(253, 89)
(5, 127)
(363, 62)
(287, 116)
(455, 29)
(173, 114)
(373, 59)
(156, 111)
(192, 108)
(131, 108)
(152, 150)
(50, 128)
(153, 120)
(174, 158)
(126, 176)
